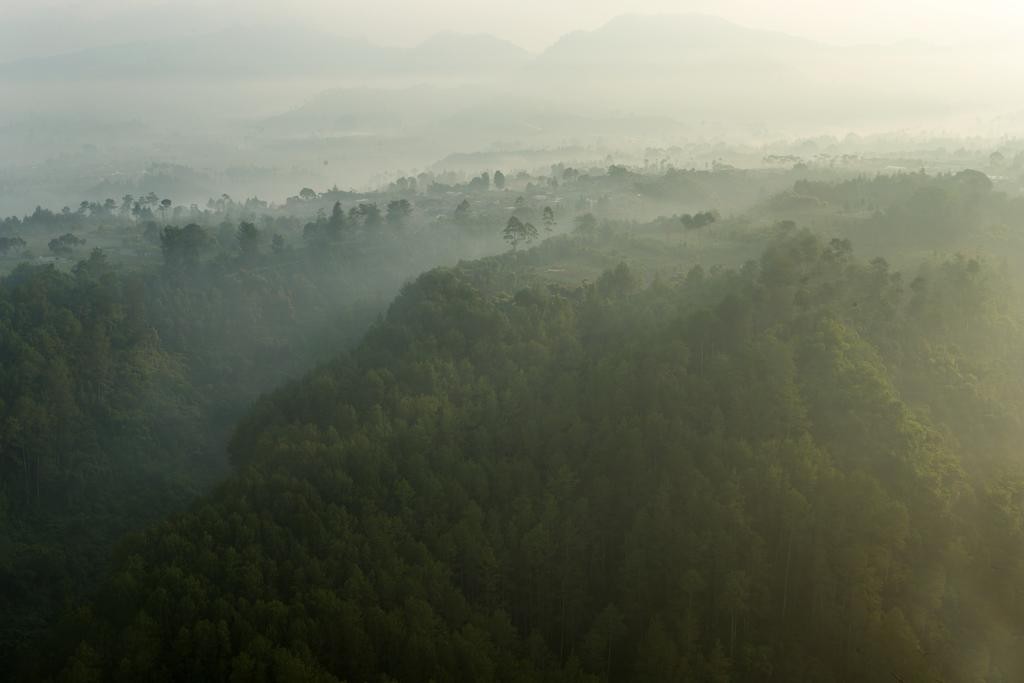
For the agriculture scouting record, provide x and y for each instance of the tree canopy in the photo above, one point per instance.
(765, 473)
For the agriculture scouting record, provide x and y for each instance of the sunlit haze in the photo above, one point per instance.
(511, 340)
(533, 24)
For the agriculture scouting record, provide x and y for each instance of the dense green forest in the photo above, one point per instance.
(628, 340)
(710, 443)
(803, 469)
(122, 374)
(118, 390)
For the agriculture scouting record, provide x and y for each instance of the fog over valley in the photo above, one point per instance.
(579, 341)
(265, 109)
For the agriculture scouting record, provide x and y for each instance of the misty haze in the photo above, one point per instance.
(576, 341)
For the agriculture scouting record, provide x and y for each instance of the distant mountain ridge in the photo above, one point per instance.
(668, 39)
(692, 68)
(626, 42)
(290, 51)
(272, 52)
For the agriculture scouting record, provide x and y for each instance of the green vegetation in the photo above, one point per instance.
(747, 455)
(670, 349)
(120, 381)
(797, 470)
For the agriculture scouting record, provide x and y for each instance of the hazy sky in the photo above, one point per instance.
(34, 27)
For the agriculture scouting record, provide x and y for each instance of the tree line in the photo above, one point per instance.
(803, 468)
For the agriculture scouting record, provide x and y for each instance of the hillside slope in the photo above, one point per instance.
(799, 470)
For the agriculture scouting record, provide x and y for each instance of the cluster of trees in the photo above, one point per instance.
(66, 244)
(363, 217)
(801, 469)
(97, 425)
(907, 213)
(483, 182)
(518, 229)
(798, 469)
(123, 374)
(7, 244)
(144, 207)
(119, 385)
(516, 232)
(56, 221)
(698, 220)
(130, 228)
(882, 191)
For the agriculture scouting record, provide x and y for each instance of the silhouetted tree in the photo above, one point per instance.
(248, 240)
(9, 243)
(398, 211)
(164, 206)
(65, 244)
(549, 218)
(181, 246)
(516, 232)
(462, 212)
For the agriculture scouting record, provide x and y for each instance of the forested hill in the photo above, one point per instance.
(804, 469)
(123, 373)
